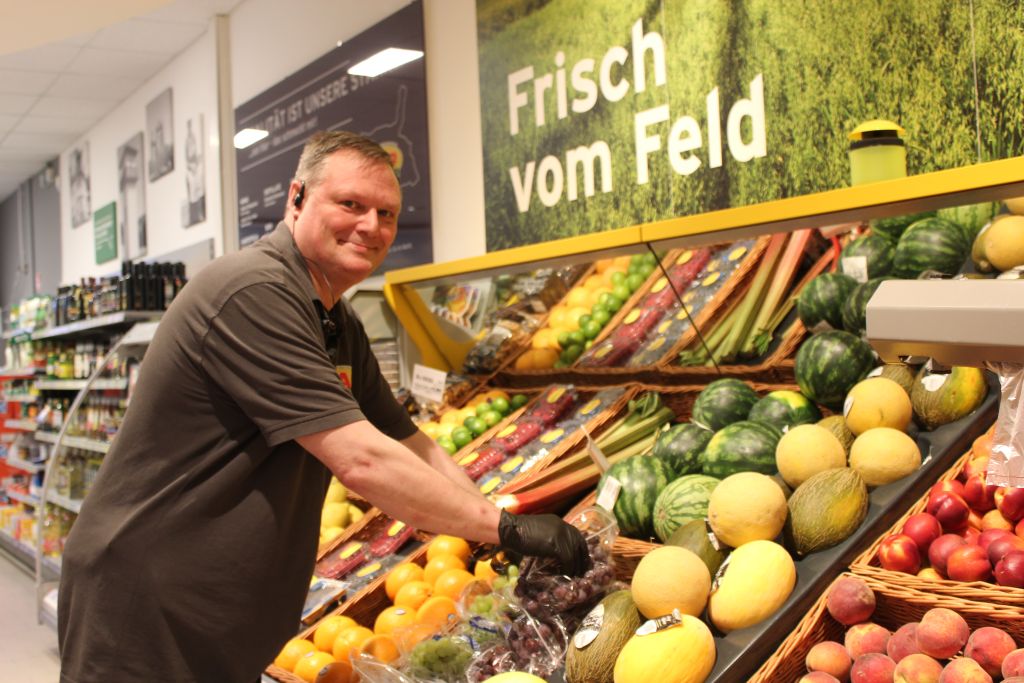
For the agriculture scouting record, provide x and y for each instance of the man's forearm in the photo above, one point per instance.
(435, 456)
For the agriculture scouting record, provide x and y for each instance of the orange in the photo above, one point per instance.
(400, 575)
(438, 565)
(451, 582)
(448, 545)
(350, 639)
(484, 572)
(496, 393)
(437, 612)
(413, 594)
(327, 631)
(393, 617)
(309, 665)
(336, 672)
(407, 637)
(292, 651)
(602, 265)
(382, 648)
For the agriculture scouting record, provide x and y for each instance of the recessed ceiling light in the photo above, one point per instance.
(385, 60)
(248, 137)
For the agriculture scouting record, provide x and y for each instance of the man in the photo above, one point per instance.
(192, 554)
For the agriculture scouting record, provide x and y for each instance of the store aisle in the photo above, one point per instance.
(28, 650)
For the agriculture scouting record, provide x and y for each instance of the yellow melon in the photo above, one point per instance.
(684, 653)
(883, 455)
(746, 507)
(668, 578)
(1003, 243)
(805, 450)
(877, 402)
(759, 578)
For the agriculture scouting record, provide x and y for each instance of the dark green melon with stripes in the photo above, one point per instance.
(876, 250)
(783, 409)
(684, 500)
(742, 447)
(931, 244)
(829, 364)
(856, 305)
(680, 447)
(893, 227)
(971, 217)
(642, 478)
(723, 402)
(821, 300)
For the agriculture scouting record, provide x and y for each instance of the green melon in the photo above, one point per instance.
(893, 227)
(901, 373)
(742, 447)
(822, 298)
(971, 218)
(695, 536)
(931, 244)
(876, 249)
(683, 500)
(723, 402)
(616, 619)
(829, 364)
(941, 398)
(837, 425)
(680, 447)
(855, 306)
(783, 409)
(642, 479)
(825, 510)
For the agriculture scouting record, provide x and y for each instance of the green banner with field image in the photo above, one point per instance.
(601, 114)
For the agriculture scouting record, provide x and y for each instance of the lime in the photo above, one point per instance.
(491, 417)
(591, 329)
(634, 281)
(518, 401)
(601, 317)
(462, 436)
(563, 340)
(614, 303)
(474, 425)
(646, 270)
(598, 307)
(618, 278)
(621, 291)
(483, 408)
(636, 259)
(571, 353)
(501, 405)
(584, 319)
(446, 443)
(590, 342)
(633, 269)
(559, 364)
(650, 259)
(576, 337)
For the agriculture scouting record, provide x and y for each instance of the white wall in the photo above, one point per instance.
(271, 39)
(192, 76)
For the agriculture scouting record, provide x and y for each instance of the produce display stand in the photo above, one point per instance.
(895, 605)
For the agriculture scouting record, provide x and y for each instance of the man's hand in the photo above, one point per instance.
(545, 536)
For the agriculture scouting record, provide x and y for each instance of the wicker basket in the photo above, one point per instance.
(895, 605)
(867, 564)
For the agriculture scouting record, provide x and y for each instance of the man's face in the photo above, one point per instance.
(348, 220)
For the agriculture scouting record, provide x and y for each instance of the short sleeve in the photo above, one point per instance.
(264, 348)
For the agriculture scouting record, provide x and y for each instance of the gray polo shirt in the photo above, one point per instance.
(192, 555)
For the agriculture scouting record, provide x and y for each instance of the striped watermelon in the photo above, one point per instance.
(971, 218)
(876, 249)
(784, 409)
(742, 447)
(931, 244)
(830, 363)
(893, 227)
(723, 402)
(680, 447)
(822, 299)
(855, 306)
(683, 500)
(642, 478)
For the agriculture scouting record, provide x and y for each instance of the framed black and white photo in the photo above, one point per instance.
(78, 182)
(193, 208)
(160, 131)
(131, 197)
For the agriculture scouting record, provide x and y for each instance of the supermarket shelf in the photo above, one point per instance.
(46, 437)
(79, 384)
(20, 550)
(79, 442)
(18, 372)
(75, 505)
(19, 332)
(19, 398)
(52, 564)
(23, 425)
(99, 322)
(25, 465)
(23, 498)
(48, 609)
(8, 437)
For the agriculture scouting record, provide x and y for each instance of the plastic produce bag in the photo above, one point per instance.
(371, 670)
(1006, 464)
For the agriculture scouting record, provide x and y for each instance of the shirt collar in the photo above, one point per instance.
(284, 243)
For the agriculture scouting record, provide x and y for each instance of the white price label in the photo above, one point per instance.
(856, 267)
(428, 383)
(609, 493)
(596, 454)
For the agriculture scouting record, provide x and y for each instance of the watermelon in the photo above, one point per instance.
(855, 306)
(642, 478)
(683, 500)
(742, 447)
(829, 364)
(893, 227)
(876, 249)
(971, 218)
(680, 447)
(723, 402)
(930, 244)
(784, 409)
(821, 300)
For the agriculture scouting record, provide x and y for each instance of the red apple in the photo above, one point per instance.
(1002, 545)
(899, 553)
(948, 486)
(1010, 502)
(989, 535)
(941, 549)
(923, 528)
(968, 563)
(979, 495)
(1010, 569)
(950, 509)
(971, 535)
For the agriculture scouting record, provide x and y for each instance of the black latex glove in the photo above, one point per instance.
(545, 536)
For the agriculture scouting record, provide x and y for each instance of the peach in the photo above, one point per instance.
(1019, 529)
(818, 677)
(917, 668)
(969, 563)
(899, 553)
(1010, 502)
(903, 642)
(942, 548)
(873, 667)
(1002, 545)
(989, 535)
(863, 639)
(974, 521)
(989, 646)
(930, 574)
(1009, 571)
(1013, 664)
(951, 510)
(972, 534)
(963, 670)
(941, 633)
(923, 528)
(1014, 679)
(850, 601)
(948, 486)
(982, 446)
(994, 519)
(831, 658)
(979, 495)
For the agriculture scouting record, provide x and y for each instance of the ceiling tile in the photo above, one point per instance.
(79, 40)
(7, 123)
(60, 106)
(192, 11)
(148, 36)
(52, 58)
(51, 143)
(17, 156)
(16, 104)
(107, 88)
(54, 124)
(20, 169)
(24, 82)
(94, 62)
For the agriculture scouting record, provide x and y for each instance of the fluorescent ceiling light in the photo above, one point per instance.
(385, 60)
(248, 137)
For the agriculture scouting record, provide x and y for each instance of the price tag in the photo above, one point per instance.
(609, 493)
(428, 383)
(856, 267)
(596, 454)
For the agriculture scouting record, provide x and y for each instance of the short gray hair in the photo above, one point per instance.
(322, 145)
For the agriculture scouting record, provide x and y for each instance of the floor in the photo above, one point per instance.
(28, 650)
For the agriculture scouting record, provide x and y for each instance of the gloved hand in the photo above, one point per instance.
(545, 536)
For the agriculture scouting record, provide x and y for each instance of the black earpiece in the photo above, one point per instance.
(299, 196)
